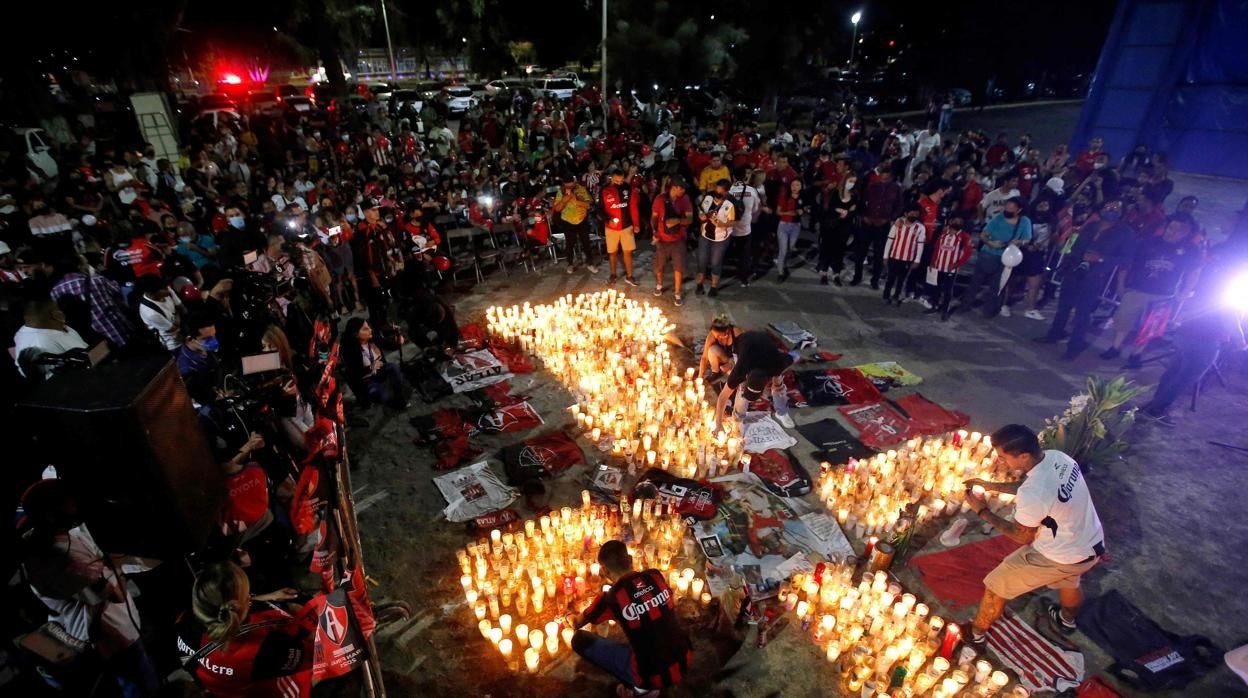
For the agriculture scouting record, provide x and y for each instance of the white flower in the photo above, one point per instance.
(1079, 403)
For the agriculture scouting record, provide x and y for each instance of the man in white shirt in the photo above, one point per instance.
(44, 332)
(924, 142)
(1054, 520)
(751, 202)
(994, 201)
(160, 310)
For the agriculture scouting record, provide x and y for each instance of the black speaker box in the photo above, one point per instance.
(127, 438)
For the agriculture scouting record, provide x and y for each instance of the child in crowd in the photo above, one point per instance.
(952, 250)
(902, 253)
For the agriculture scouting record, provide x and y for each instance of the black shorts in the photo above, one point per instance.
(674, 251)
(1032, 264)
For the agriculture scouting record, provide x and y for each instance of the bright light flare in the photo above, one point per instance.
(1235, 295)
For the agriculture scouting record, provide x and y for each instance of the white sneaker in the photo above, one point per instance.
(593, 268)
(785, 421)
(925, 303)
(1034, 315)
(1005, 311)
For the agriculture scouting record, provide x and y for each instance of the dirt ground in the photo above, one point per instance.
(1175, 551)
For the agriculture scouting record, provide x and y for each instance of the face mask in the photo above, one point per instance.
(185, 238)
(210, 344)
(849, 186)
(1111, 214)
(351, 217)
(1098, 166)
(237, 222)
(1010, 216)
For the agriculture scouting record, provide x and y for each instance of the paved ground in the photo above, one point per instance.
(1170, 509)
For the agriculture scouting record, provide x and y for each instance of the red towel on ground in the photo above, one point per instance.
(930, 417)
(512, 356)
(956, 575)
(879, 425)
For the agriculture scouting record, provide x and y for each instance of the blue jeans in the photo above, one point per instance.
(711, 256)
(615, 658)
(386, 386)
(786, 240)
(779, 398)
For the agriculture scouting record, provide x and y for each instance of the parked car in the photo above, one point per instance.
(402, 99)
(297, 104)
(381, 91)
(494, 87)
(457, 98)
(555, 88)
(580, 84)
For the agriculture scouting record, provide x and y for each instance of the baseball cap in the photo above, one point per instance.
(1055, 184)
(4, 248)
(678, 182)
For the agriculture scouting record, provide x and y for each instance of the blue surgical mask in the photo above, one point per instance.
(351, 218)
(210, 344)
(237, 222)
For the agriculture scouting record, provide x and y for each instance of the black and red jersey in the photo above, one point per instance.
(645, 607)
(273, 660)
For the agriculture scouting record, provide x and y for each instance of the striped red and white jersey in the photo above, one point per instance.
(1039, 664)
(905, 241)
(953, 248)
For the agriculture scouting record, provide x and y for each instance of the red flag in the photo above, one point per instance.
(545, 455)
(515, 417)
(879, 425)
(512, 356)
(929, 417)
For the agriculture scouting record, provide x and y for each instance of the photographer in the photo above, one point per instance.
(44, 332)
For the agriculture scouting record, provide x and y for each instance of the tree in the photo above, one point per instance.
(669, 43)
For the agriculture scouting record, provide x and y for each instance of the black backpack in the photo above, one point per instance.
(1147, 657)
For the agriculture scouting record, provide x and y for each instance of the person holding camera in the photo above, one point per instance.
(572, 204)
(1104, 245)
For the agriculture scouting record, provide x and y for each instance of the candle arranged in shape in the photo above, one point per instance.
(925, 474)
(631, 400)
(519, 584)
(872, 633)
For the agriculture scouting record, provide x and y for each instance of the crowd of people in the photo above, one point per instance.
(264, 239)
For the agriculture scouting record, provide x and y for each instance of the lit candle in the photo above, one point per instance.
(522, 633)
(536, 639)
(695, 587)
(567, 634)
(504, 646)
(504, 622)
(953, 634)
(496, 635)
(531, 658)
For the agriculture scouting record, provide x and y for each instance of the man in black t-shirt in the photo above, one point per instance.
(641, 603)
(760, 365)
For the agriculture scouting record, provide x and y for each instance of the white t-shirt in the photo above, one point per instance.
(750, 201)
(1054, 498)
(721, 218)
(162, 319)
(46, 341)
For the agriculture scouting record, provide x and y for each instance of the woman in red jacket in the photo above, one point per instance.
(243, 645)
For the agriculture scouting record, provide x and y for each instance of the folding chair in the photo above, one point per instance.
(462, 254)
(508, 242)
(487, 251)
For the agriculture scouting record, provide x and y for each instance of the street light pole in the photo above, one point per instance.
(853, 43)
(602, 73)
(385, 20)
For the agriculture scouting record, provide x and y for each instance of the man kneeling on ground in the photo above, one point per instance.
(657, 653)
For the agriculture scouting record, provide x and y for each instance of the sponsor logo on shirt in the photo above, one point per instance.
(1067, 489)
(634, 611)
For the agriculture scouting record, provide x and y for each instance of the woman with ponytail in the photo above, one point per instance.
(237, 644)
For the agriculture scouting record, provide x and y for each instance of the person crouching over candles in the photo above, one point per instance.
(658, 651)
(1054, 520)
(719, 354)
(760, 367)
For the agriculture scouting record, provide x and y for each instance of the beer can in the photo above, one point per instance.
(881, 557)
